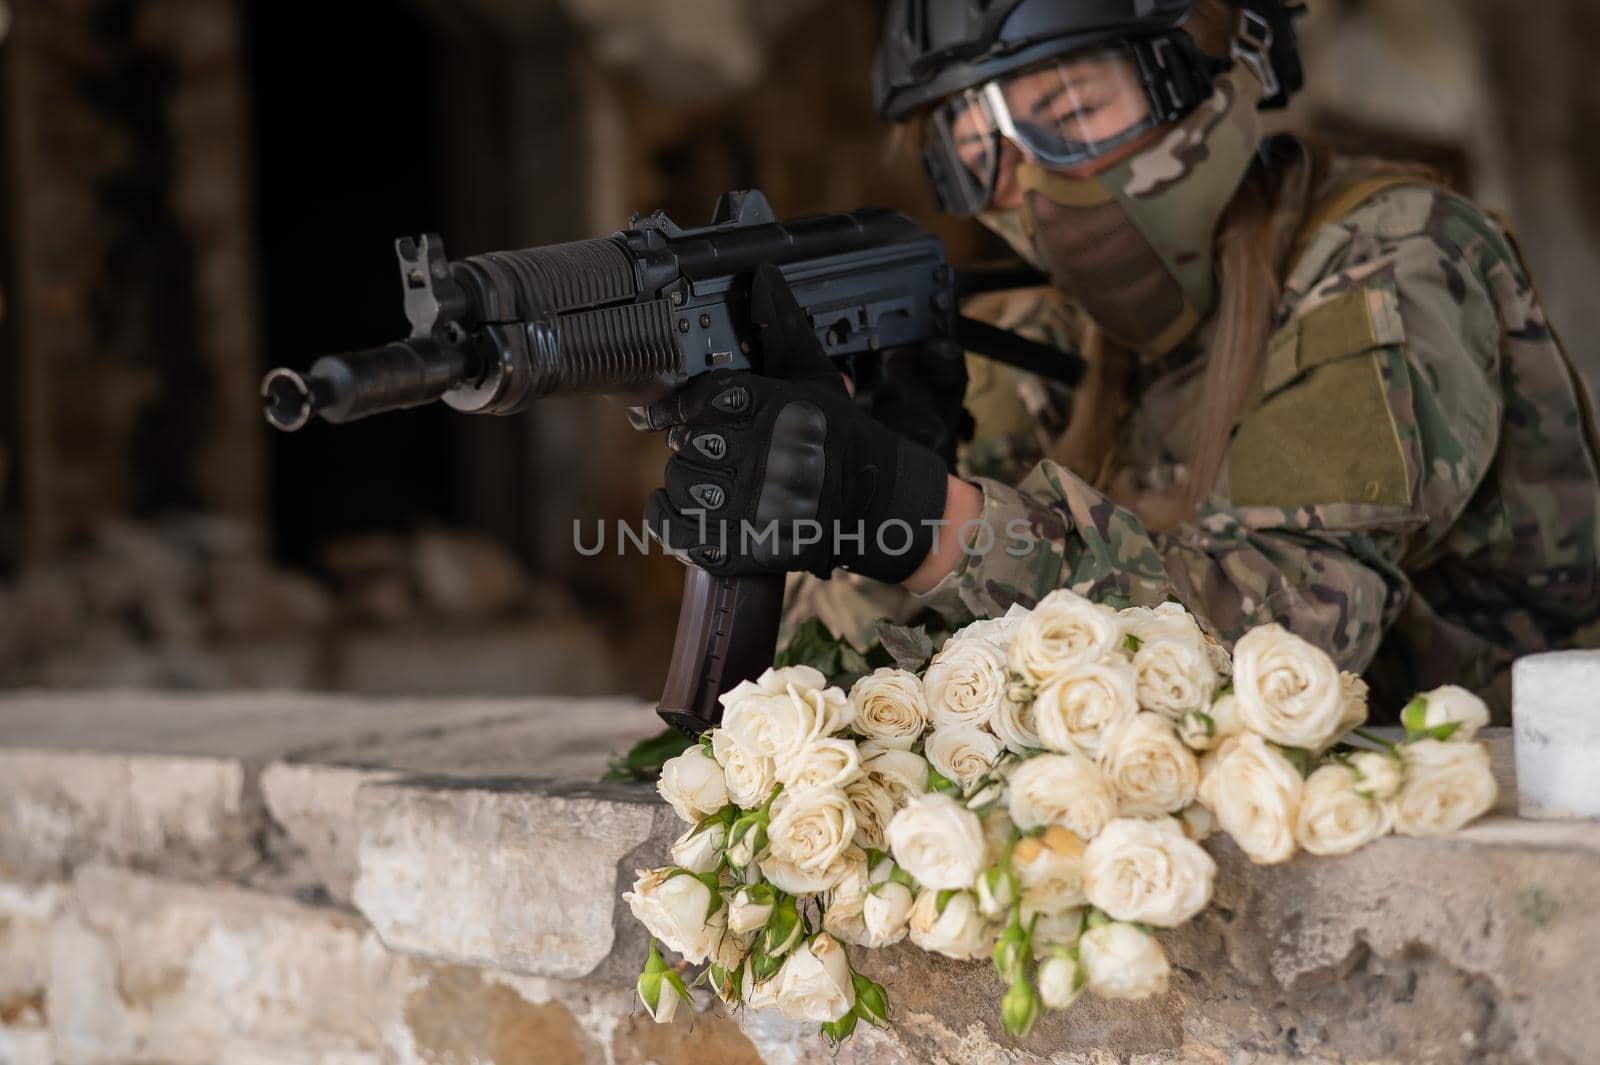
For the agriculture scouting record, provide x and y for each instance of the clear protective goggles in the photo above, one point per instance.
(1064, 114)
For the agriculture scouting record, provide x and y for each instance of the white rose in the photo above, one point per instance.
(811, 829)
(996, 892)
(1064, 631)
(938, 841)
(1197, 822)
(1079, 709)
(1147, 871)
(890, 707)
(758, 996)
(1013, 724)
(1353, 693)
(962, 753)
(1061, 789)
(1288, 690)
(841, 917)
(886, 912)
(1051, 930)
(1122, 961)
(1049, 871)
(998, 631)
(791, 879)
(1169, 621)
(1255, 794)
(1149, 768)
(1221, 660)
(874, 805)
(746, 913)
(1174, 677)
(820, 764)
(750, 777)
(997, 829)
(1225, 719)
(1452, 705)
(903, 773)
(674, 909)
(1334, 818)
(1197, 730)
(730, 952)
(959, 931)
(742, 853)
(1447, 785)
(814, 984)
(1061, 981)
(1378, 774)
(1204, 730)
(781, 711)
(700, 851)
(693, 783)
(965, 683)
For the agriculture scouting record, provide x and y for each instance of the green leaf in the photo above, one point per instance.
(814, 645)
(763, 966)
(1133, 643)
(908, 648)
(1302, 760)
(836, 1032)
(1415, 718)
(644, 759)
(872, 1002)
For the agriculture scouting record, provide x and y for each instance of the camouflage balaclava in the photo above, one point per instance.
(1132, 245)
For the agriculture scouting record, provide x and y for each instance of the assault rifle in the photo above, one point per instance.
(637, 314)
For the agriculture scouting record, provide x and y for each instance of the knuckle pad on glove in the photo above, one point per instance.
(796, 464)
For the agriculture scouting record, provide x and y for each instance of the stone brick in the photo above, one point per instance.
(316, 806)
(59, 809)
(502, 874)
(152, 970)
(712, 1039)
(460, 1015)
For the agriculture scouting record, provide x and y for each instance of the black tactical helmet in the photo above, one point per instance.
(931, 48)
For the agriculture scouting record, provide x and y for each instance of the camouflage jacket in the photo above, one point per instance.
(1414, 486)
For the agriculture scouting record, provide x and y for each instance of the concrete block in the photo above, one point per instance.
(316, 806)
(146, 969)
(1556, 718)
(501, 874)
(26, 1046)
(59, 809)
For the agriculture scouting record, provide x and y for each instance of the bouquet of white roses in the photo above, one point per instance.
(1035, 796)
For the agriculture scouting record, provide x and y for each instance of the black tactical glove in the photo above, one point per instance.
(918, 392)
(781, 471)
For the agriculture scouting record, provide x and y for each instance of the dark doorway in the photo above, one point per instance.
(347, 160)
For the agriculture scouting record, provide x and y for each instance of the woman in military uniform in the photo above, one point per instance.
(1322, 391)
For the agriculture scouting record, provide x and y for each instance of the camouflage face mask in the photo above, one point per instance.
(1133, 244)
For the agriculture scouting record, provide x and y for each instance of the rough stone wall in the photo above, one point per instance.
(132, 251)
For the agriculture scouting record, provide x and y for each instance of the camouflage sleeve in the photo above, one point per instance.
(1055, 531)
(1377, 420)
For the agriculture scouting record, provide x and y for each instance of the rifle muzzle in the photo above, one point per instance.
(342, 388)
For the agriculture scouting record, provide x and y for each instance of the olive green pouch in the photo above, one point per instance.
(1319, 430)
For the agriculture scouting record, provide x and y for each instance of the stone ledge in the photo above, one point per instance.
(1477, 948)
(201, 784)
(510, 874)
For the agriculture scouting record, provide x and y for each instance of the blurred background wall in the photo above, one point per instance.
(195, 190)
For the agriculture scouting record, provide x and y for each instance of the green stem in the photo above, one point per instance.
(1370, 738)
